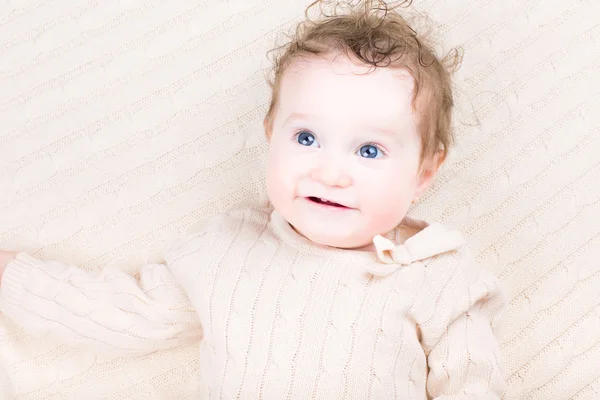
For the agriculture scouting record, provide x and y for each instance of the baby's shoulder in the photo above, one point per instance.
(456, 267)
(458, 279)
(232, 222)
(441, 250)
(222, 228)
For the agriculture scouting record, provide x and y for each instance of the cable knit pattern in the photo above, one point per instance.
(279, 317)
(125, 123)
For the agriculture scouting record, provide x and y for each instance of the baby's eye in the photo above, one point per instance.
(306, 138)
(370, 151)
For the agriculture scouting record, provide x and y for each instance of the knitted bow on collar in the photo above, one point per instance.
(433, 240)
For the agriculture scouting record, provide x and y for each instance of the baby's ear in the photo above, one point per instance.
(268, 128)
(428, 171)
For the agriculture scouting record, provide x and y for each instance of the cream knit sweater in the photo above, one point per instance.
(278, 317)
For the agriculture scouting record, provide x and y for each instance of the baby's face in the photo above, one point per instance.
(344, 150)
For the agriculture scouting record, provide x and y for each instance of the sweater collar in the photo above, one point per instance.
(431, 241)
(413, 240)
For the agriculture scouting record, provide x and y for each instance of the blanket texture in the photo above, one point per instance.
(122, 124)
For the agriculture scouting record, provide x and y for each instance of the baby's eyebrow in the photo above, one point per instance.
(384, 131)
(299, 116)
(302, 116)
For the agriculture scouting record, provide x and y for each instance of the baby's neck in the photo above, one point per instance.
(366, 247)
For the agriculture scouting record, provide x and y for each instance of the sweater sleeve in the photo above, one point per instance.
(465, 361)
(109, 312)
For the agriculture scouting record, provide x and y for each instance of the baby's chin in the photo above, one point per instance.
(341, 240)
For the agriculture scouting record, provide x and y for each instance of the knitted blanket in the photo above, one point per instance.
(122, 124)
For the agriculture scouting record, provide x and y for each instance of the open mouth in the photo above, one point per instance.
(324, 202)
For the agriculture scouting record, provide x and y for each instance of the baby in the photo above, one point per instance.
(336, 294)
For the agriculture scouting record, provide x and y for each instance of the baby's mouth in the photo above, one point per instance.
(325, 202)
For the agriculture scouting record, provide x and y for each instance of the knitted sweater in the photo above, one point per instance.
(279, 317)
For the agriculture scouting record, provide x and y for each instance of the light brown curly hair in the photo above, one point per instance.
(375, 34)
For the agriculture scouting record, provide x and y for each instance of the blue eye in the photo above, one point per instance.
(370, 151)
(306, 138)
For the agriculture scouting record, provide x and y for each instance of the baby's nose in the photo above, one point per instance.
(331, 174)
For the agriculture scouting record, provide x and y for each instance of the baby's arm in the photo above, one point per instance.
(111, 312)
(465, 362)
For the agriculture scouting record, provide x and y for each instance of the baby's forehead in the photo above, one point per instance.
(336, 84)
(342, 63)
(320, 98)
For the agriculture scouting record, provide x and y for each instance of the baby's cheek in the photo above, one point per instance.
(281, 182)
(386, 204)
(276, 187)
(388, 216)
(273, 182)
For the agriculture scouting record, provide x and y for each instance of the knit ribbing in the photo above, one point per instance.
(280, 318)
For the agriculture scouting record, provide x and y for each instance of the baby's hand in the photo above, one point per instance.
(5, 257)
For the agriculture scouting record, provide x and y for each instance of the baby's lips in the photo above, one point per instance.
(324, 200)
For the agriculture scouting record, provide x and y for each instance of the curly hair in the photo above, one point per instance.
(375, 34)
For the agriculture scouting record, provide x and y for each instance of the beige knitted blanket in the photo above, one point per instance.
(122, 123)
